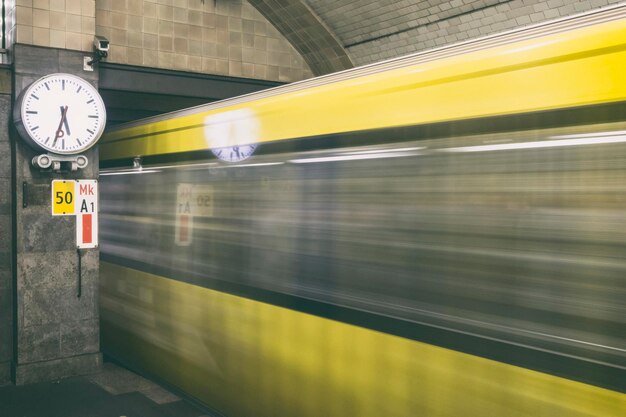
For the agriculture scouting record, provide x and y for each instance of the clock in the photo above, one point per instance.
(60, 113)
(235, 153)
(232, 136)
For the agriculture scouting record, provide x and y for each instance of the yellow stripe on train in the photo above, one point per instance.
(576, 68)
(248, 358)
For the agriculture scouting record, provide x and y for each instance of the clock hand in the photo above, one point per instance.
(65, 123)
(60, 133)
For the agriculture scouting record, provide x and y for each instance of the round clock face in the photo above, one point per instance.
(61, 113)
(235, 153)
(232, 135)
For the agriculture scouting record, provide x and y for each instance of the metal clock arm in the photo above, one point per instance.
(55, 162)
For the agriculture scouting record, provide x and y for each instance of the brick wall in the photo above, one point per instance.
(227, 37)
(319, 46)
(65, 24)
(375, 30)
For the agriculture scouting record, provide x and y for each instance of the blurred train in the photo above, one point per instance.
(438, 235)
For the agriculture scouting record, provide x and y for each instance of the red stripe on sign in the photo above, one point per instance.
(183, 230)
(87, 238)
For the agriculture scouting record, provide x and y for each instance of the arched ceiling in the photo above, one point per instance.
(308, 34)
(333, 35)
(363, 21)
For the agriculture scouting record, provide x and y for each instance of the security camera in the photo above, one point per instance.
(100, 51)
(101, 45)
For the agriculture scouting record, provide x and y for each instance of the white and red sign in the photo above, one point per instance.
(86, 210)
(192, 200)
(184, 216)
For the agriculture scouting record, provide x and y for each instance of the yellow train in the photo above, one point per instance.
(437, 235)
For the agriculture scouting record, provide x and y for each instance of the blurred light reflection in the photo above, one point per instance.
(133, 172)
(377, 155)
(584, 140)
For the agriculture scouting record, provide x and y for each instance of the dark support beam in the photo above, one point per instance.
(179, 83)
(132, 93)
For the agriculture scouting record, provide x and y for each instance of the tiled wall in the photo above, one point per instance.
(320, 48)
(228, 37)
(65, 24)
(231, 37)
(402, 27)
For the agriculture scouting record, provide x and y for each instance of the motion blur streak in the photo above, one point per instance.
(134, 172)
(522, 246)
(591, 140)
(255, 359)
(441, 235)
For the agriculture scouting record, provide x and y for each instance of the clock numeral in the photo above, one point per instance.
(34, 96)
(47, 140)
(79, 142)
(62, 143)
(90, 131)
(93, 116)
(47, 86)
(90, 101)
(63, 84)
(31, 112)
(79, 88)
(35, 128)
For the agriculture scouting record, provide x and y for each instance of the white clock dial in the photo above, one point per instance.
(232, 135)
(235, 153)
(61, 113)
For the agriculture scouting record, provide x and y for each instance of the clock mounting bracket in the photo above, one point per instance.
(60, 163)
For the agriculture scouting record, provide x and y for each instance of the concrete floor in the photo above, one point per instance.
(114, 392)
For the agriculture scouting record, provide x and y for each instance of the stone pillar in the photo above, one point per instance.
(57, 332)
(6, 277)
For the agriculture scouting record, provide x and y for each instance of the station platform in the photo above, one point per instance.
(113, 392)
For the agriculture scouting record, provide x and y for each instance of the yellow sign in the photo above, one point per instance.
(63, 197)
